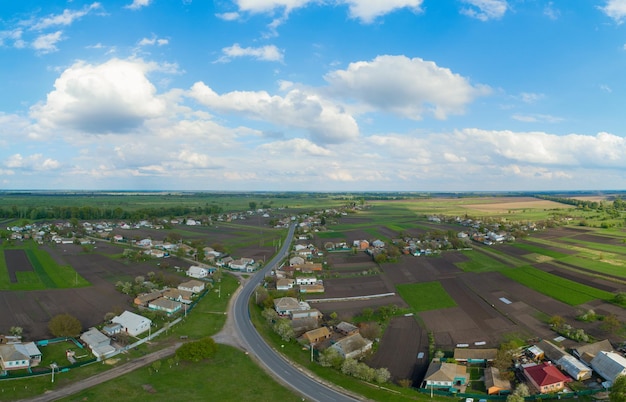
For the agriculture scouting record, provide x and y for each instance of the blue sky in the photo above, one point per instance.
(329, 95)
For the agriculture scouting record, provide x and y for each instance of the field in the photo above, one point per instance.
(27, 267)
(425, 296)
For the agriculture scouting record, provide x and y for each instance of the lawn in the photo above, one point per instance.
(564, 290)
(533, 249)
(229, 376)
(425, 296)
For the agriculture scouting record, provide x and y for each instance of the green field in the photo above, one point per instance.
(564, 290)
(425, 296)
(46, 274)
(539, 250)
(479, 262)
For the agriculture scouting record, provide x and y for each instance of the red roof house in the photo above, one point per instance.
(546, 378)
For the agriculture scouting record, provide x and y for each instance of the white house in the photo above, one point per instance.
(193, 286)
(284, 284)
(352, 346)
(133, 324)
(197, 272)
(99, 343)
(306, 280)
(17, 356)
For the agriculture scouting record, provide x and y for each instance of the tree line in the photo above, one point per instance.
(94, 213)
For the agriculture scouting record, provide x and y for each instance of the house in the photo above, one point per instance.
(144, 299)
(198, 272)
(299, 314)
(345, 328)
(239, 264)
(285, 305)
(546, 378)
(566, 362)
(588, 351)
(309, 268)
(99, 343)
(133, 324)
(609, 365)
(181, 296)
(466, 355)
(494, 383)
(352, 346)
(297, 260)
(317, 335)
(306, 280)
(15, 356)
(284, 284)
(167, 305)
(449, 376)
(112, 329)
(193, 286)
(378, 243)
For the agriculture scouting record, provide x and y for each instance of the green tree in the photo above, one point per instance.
(617, 392)
(284, 329)
(330, 358)
(156, 365)
(252, 205)
(197, 351)
(16, 331)
(556, 321)
(611, 323)
(65, 325)
(382, 375)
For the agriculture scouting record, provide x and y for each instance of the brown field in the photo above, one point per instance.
(407, 332)
(16, 261)
(506, 204)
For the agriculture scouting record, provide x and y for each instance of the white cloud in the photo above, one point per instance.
(615, 9)
(14, 35)
(111, 97)
(364, 10)
(137, 4)
(153, 41)
(368, 10)
(67, 18)
(264, 53)
(47, 43)
(529, 97)
(485, 10)
(407, 87)
(296, 147)
(264, 6)
(550, 12)
(606, 88)
(536, 118)
(232, 16)
(298, 109)
(35, 162)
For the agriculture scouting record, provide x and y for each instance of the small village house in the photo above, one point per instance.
(133, 324)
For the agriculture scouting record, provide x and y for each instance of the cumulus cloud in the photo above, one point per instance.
(264, 53)
(264, 6)
(35, 162)
(323, 120)
(485, 10)
(66, 18)
(368, 10)
(47, 43)
(111, 97)
(615, 9)
(297, 147)
(406, 87)
(137, 4)
(231, 16)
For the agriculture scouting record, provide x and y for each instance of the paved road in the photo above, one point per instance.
(106, 376)
(281, 369)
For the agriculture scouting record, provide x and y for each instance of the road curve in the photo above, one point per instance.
(281, 369)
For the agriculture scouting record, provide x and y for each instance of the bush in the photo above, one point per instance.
(196, 351)
(65, 325)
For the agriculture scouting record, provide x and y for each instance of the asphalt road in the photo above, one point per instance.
(281, 369)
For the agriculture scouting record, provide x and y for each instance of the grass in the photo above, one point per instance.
(46, 274)
(531, 248)
(425, 296)
(479, 262)
(216, 379)
(564, 290)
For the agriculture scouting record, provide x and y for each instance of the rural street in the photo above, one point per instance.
(254, 344)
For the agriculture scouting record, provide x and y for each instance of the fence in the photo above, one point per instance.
(535, 397)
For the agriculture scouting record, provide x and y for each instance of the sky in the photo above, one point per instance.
(313, 95)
